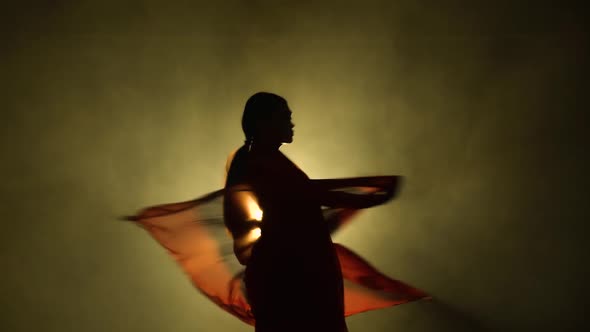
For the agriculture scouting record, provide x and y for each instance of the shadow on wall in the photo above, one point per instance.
(446, 317)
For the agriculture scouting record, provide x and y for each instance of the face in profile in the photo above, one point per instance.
(281, 127)
(287, 126)
(267, 119)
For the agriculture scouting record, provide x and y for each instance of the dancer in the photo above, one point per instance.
(294, 278)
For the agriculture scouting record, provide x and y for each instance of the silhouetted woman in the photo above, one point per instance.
(280, 223)
(293, 278)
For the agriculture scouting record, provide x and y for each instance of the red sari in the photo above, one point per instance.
(295, 277)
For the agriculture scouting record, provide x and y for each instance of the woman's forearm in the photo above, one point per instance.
(384, 182)
(340, 199)
(379, 189)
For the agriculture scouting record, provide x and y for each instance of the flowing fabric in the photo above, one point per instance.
(195, 234)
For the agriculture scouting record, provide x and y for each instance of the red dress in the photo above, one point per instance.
(295, 277)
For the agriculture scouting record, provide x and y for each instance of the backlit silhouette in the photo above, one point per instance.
(279, 221)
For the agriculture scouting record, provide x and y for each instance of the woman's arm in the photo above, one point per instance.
(380, 189)
(381, 182)
(339, 199)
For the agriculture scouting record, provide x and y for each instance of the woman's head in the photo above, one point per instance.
(267, 118)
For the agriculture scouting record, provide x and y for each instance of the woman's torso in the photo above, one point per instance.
(294, 254)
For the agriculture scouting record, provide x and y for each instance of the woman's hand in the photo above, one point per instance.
(389, 182)
(385, 195)
(377, 190)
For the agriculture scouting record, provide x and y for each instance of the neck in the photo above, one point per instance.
(265, 147)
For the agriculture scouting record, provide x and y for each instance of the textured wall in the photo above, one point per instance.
(109, 107)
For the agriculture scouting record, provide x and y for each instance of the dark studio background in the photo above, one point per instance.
(112, 106)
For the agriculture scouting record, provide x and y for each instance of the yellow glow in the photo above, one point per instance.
(253, 235)
(254, 213)
(253, 209)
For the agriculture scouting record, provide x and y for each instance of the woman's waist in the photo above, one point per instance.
(297, 229)
(299, 239)
(271, 246)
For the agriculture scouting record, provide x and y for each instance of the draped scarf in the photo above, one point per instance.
(195, 235)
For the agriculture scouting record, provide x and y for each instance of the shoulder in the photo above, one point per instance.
(235, 166)
(230, 158)
(243, 166)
